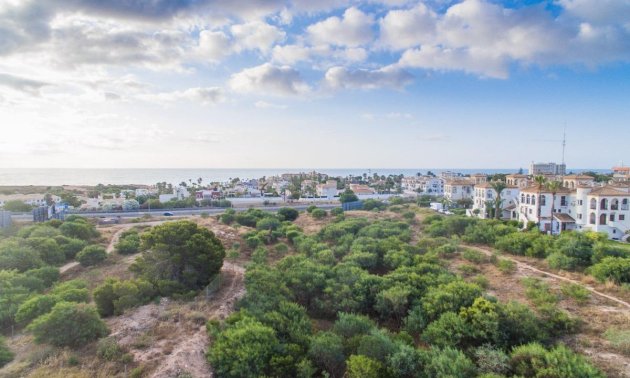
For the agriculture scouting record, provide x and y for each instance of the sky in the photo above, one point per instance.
(322, 84)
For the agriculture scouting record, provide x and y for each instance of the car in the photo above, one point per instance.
(168, 214)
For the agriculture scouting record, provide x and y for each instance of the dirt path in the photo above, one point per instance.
(523, 265)
(112, 243)
(190, 354)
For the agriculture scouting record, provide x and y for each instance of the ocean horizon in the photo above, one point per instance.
(150, 176)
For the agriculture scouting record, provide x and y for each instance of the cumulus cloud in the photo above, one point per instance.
(354, 28)
(21, 84)
(213, 45)
(256, 35)
(268, 105)
(269, 79)
(389, 77)
(403, 28)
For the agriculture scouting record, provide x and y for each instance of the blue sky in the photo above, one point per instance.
(332, 83)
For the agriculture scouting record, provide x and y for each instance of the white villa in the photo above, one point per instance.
(457, 189)
(484, 199)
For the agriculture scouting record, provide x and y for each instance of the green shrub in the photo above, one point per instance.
(129, 243)
(6, 355)
(359, 366)
(311, 208)
(474, 256)
(114, 296)
(91, 255)
(616, 269)
(619, 338)
(579, 293)
(68, 324)
(533, 360)
(288, 214)
(491, 360)
(506, 266)
(48, 274)
(336, 211)
(108, 349)
(259, 256)
(281, 248)
(34, 308)
(448, 362)
(319, 213)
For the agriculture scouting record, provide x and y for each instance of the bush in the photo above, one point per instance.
(243, 350)
(48, 274)
(506, 266)
(114, 296)
(108, 349)
(319, 213)
(363, 367)
(34, 308)
(616, 269)
(619, 338)
(288, 214)
(180, 257)
(228, 216)
(336, 211)
(91, 255)
(70, 246)
(128, 243)
(473, 256)
(491, 360)
(579, 293)
(448, 362)
(6, 355)
(68, 324)
(281, 248)
(533, 360)
(78, 228)
(268, 224)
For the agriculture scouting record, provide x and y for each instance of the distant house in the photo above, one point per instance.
(360, 189)
(458, 189)
(327, 190)
(207, 195)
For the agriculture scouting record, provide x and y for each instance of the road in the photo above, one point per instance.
(193, 211)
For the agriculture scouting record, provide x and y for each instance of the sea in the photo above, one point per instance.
(150, 176)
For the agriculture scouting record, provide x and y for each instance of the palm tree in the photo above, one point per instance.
(540, 181)
(498, 187)
(553, 187)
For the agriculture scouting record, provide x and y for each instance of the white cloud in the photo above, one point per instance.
(404, 28)
(451, 59)
(353, 29)
(389, 77)
(269, 79)
(22, 84)
(255, 35)
(213, 45)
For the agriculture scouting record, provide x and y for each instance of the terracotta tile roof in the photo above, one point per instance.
(608, 191)
(564, 218)
(458, 182)
(544, 190)
(579, 177)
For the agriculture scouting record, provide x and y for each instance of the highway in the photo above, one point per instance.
(175, 212)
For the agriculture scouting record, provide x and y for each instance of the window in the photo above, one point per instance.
(543, 200)
(580, 202)
(593, 204)
(533, 200)
(624, 204)
(563, 201)
(602, 219)
(622, 217)
(612, 217)
(614, 204)
(579, 216)
(603, 205)
(530, 211)
(522, 198)
(527, 200)
(591, 219)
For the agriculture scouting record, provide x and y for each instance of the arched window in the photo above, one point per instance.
(614, 204)
(527, 201)
(592, 218)
(543, 200)
(593, 204)
(533, 199)
(522, 198)
(602, 219)
(603, 205)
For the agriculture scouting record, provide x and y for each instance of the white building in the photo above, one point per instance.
(424, 184)
(603, 209)
(327, 190)
(458, 189)
(547, 169)
(535, 205)
(518, 180)
(484, 200)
